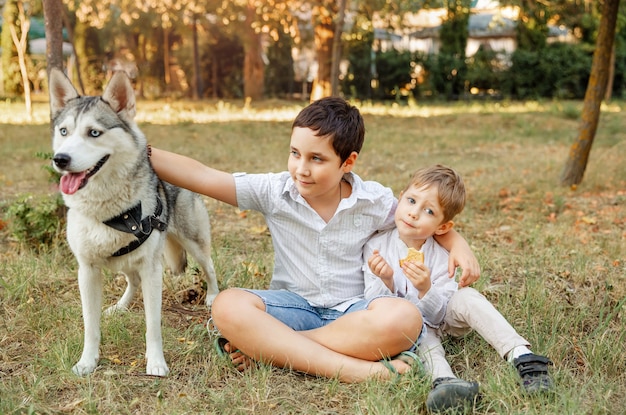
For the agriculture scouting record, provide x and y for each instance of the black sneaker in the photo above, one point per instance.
(451, 393)
(533, 371)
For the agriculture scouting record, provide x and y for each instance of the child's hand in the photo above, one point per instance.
(419, 275)
(381, 268)
(468, 262)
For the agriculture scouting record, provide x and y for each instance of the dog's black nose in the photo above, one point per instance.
(62, 160)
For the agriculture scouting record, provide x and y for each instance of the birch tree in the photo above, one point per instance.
(21, 44)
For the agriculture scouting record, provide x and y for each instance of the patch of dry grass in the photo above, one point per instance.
(553, 262)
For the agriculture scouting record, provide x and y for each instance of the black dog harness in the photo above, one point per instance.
(131, 222)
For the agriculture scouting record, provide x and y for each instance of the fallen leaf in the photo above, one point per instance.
(259, 230)
(588, 220)
(71, 406)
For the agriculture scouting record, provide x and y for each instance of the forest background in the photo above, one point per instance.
(275, 49)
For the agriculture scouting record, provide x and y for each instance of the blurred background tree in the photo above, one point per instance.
(301, 49)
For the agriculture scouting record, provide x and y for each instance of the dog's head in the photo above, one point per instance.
(88, 131)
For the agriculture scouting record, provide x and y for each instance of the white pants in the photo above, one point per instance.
(467, 309)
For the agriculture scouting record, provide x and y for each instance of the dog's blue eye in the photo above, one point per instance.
(94, 133)
(63, 131)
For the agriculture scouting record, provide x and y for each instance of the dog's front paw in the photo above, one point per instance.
(84, 368)
(159, 369)
(209, 299)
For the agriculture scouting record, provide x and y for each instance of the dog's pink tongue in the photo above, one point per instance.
(71, 182)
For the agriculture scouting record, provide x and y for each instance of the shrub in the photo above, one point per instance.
(356, 82)
(36, 221)
(559, 70)
(447, 74)
(566, 70)
(394, 74)
(484, 70)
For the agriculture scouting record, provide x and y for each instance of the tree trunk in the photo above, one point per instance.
(166, 56)
(197, 81)
(574, 170)
(53, 22)
(9, 67)
(253, 65)
(324, 32)
(214, 79)
(336, 51)
(70, 35)
(21, 45)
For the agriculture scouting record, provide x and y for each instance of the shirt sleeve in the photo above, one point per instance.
(435, 302)
(252, 191)
(433, 306)
(374, 286)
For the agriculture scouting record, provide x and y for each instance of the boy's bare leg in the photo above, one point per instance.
(388, 327)
(242, 319)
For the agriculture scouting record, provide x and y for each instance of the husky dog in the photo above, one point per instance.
(121, 216)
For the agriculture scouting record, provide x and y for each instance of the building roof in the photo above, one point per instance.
(479, 25)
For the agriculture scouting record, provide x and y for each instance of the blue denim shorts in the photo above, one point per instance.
(294, 311)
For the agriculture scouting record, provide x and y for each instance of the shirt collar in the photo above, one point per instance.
(358, 188)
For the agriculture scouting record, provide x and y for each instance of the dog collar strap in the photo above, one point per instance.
(131, 222)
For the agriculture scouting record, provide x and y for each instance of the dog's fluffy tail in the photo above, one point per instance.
(175, 256)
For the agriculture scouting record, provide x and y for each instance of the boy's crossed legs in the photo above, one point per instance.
(348, 347)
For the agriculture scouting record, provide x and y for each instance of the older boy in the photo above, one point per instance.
(426, 207)
(314, 317)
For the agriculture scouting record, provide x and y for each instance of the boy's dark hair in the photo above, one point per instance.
(335, 118)
(449, 185)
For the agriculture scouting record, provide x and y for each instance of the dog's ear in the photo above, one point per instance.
(119, 94)
(61, 90)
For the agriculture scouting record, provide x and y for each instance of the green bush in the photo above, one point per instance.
(619, 80)
(447, 74)
(279, 74)
(566, 70)
(484, 71)
(356, 83)
(394, 74)
(523, 77)
(53, 175)
(559, 70)
(36, 221)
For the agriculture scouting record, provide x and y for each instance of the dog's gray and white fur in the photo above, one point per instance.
(116, 201)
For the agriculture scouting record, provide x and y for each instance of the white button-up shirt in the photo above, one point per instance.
(434, 304)
(320, 261)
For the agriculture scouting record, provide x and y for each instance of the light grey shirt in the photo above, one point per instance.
(434, 303)
(320, 261)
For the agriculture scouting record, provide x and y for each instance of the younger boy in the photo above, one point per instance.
(314, 317)
(426, 207)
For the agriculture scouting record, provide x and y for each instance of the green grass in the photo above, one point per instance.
(553, 262)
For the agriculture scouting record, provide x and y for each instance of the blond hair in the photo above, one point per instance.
(449, 185)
